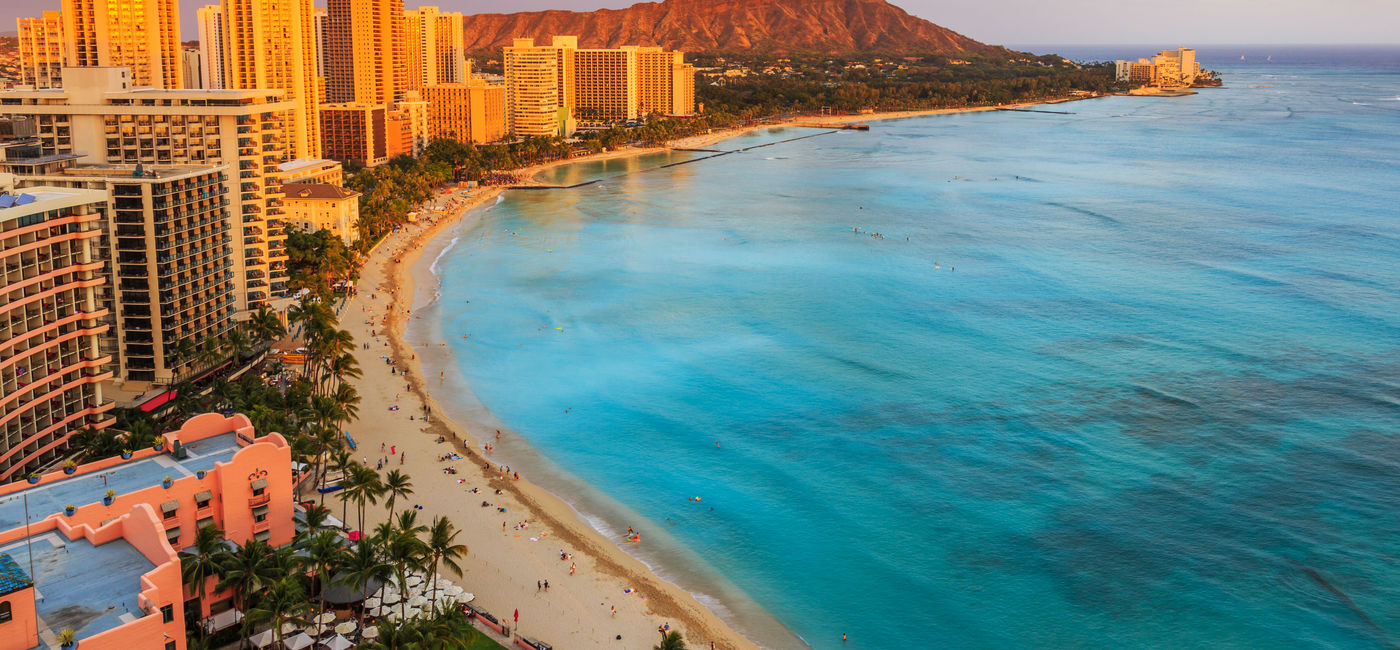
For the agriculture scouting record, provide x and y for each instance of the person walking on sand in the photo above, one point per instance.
(402, 455)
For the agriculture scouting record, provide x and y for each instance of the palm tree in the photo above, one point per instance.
(265, 326)
(442, 548)
(363, 488)
(396, 486)
(408, 524)
(363, 566)
(324, 555)
(405, 552)
(670, 641)
(247, 571)
(340, 462)
(394, 636)
(284, 601)
(203, 563)
(316, 517)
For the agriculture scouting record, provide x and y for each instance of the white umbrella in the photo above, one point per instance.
(325, 618)
(466, 597)
(370, 632)
(412, 613)
(375, 611)
(288, 628)
(391, 599)
(261, 639)
(299, 641)
(371, 602)
(338, 642)
(452, 591)
(414, 581)
(417, 601)
(345, 628)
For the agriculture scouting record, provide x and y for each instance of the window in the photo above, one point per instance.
(167, 613)
(201, 500)
(5, 615)
(170, 645)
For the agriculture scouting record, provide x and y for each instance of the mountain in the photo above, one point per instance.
(768, 26)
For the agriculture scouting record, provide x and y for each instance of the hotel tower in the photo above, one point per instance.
(143, 35)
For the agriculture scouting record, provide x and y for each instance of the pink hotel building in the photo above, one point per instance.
(110, 569)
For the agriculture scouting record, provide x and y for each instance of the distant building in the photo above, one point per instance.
(143, 35)
(467, 112)
(433, 47)
(317, 206)
(355, 133)
(540, 87)
(193, 69)
(311, 170)
(42, 50)
(210, 19)
(605, 86)
(51, 363)
(271, 45)
(665, 83)
(1168, 69)
(364, 64)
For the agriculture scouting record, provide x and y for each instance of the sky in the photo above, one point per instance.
(1033, 22)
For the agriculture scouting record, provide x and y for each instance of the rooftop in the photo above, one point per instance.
(316, 191)
(70, 593)
(305, 163)
(50, 498)
(37, 200)
(12, 577)
(149, 172)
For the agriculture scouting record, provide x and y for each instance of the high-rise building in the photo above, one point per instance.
(320, 21)
(168, 257)
(467, 112)
(271, 45)
(605, 85)
(98, 118)
(50, 362)
(143, 35)
(355, 133)
(540, 87)
(416, 41)
(364, 38)
(211, 46)
(193, 69)
(665, 83)
(42, 50)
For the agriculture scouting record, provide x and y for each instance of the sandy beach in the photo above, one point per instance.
(586, 608)
(600, 594)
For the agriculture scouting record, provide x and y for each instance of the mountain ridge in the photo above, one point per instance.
(735, 26)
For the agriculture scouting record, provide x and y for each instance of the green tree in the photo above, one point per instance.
(205, 561)
(396, 486)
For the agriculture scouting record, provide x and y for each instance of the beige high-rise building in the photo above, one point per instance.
(143, 35)
(168, 255)
(320, 22)
(605, 86)
(414, 111)
(451, 52)
(271, 45)
(469, 112)
(364, 38)
(355, 133)
(415, 41)
(99, 118)
(433, 48)
(540, 87)
(210, 19)
(665, 83)
(42, 50)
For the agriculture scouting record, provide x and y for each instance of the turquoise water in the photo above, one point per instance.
(1125, 377)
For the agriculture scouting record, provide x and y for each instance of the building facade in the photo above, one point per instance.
(143, 35)
(42, 50)
(314, 170)
(605, 86)
(318, 206)
(540, 87)
(355, 133)
(271, 45)
(51, 365)
(363, 59)
(210, 19)
(167, 253)
(665, 83)
(98, 117)
(468, 112)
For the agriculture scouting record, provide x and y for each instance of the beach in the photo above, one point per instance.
(609, 592)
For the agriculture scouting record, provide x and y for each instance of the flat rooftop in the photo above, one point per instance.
(38, 200)
(89, 588)
(83, 489)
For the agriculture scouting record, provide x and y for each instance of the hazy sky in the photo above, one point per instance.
(1022, 22)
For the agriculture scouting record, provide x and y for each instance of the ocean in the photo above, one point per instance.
(1127, 376)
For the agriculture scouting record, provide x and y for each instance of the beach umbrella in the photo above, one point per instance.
(325, 618)
(370, 632)
(417, 601)
(466, 597)
(299, 642)
(412, 613)
(338, 642)
(375, 611)
(371, 602)
(452, 591)
(345, 628)
(414, 581)
(391, 599)
(288, 628)
(261, 639)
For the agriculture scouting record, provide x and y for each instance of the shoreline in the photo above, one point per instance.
(387, 292)
(399, 267)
